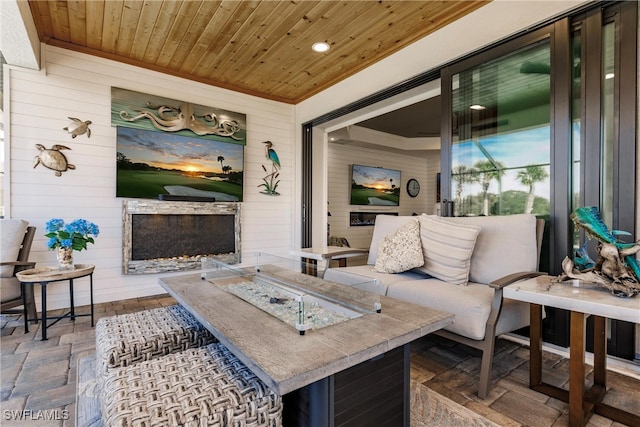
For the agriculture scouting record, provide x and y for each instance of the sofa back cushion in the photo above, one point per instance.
(385, 225)
(506, 244)
(447, 248)
(11, 235)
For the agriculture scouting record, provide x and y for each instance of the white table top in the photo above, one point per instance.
(320, 253)
(574, 296)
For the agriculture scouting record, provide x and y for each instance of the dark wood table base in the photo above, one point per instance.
(372, 393)
(582, 403)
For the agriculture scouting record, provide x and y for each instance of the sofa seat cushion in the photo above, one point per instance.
(357, 274)
(470, 304)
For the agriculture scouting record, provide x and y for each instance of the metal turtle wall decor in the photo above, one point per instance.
(78, 127)
(52, 158)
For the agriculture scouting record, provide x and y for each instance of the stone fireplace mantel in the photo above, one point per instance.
(221, 238)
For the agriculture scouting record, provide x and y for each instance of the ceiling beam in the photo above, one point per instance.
(362, 136)
(19, 41)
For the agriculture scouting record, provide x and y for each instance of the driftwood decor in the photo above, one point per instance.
(616, 269)
(151, 112)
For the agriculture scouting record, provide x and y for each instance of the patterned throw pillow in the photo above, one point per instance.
(447, 248)
(401, 250)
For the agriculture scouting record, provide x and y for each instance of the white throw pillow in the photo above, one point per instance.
(385, 225)
(401, 250)
(447, 248)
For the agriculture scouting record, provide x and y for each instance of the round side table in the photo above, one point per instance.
(43, 276)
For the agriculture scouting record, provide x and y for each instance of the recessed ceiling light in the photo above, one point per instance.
(477, 107)
(320, 47)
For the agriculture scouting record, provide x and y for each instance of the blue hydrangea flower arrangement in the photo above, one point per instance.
(74, 235)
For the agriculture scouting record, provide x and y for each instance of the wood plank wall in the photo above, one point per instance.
(340, 159)
(72, 84)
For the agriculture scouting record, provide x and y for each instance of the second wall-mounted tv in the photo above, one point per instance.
(375, 186)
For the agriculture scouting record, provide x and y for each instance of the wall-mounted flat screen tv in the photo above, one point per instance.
(375, 186)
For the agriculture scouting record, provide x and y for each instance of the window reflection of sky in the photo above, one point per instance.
(575, 182)
(514, 150)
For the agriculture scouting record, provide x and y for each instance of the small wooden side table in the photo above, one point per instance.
(583, 301)
(43, 276)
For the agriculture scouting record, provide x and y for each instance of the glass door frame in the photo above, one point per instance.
(624, 15)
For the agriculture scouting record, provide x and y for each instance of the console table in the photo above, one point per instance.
(43, 276)
(581, 300)
(356, 371)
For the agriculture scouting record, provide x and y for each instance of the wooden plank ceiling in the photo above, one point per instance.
(260, 47)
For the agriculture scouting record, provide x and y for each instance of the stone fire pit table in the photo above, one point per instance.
(356, 369)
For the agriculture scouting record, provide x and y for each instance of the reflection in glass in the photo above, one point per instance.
(576, 111)
(608, 125)
(501, 148)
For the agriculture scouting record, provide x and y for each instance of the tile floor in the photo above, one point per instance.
(38, 378)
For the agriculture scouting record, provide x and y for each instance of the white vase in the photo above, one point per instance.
(65, 258)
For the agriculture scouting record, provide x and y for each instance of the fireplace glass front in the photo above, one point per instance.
(167, 236)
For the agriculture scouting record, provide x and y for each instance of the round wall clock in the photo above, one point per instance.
(413, 187)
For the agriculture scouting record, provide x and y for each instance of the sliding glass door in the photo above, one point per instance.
(543, 124)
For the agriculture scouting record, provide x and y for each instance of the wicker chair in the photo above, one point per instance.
(16, 237)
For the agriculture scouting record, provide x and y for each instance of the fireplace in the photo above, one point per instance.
(163, 236)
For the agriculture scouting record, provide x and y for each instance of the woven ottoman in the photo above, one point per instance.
(207, 386)
(127, 339)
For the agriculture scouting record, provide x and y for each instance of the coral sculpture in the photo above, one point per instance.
(616, 268)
